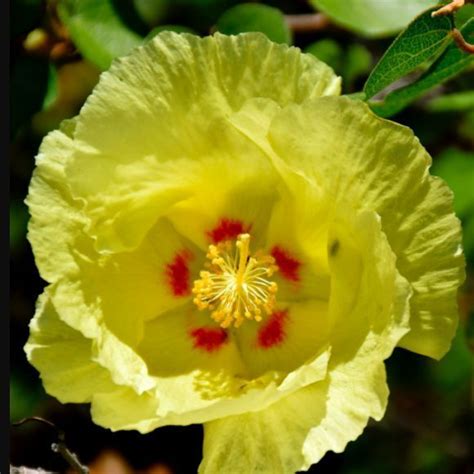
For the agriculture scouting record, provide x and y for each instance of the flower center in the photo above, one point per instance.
(237, 285)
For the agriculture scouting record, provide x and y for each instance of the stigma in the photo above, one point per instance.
(237, 285)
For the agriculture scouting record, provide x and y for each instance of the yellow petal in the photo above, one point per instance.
(198, 379)
(433, 261)
(213, 396)
(83, 314)
(124, 290)
(55, 218)
(238, 186)
(184, 340)
(298, 430)
(298, 232)
(124, 409)
(369, 298)
(369, 163)
(182, 88)
(62, 355)
(286, 340)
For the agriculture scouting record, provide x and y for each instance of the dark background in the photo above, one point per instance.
(429, 426)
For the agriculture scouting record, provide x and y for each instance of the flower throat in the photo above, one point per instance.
(237, 286)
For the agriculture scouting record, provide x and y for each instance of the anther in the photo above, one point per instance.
(235, 287)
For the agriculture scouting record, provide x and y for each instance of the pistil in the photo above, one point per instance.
(237, 286)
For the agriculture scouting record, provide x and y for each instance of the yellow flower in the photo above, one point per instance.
(228, 242)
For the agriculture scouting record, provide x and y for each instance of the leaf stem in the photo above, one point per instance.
(69, 457)
(461, 42)
(307, 22)
(449, 8)
(59, 447)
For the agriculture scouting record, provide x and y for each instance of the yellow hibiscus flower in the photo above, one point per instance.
(228, 242)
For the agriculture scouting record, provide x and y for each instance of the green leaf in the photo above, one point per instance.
(373, 18)
(356, 96)
(456, 102)
(463, 15)
(151, 12)
(451, 63)
(424, 38)
(255, 17)
(328, 51)
(97, 30)
(456, 167)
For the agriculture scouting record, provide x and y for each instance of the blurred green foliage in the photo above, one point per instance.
(460, 101)
(456, 167)
(328, 51)
(255, 17)
(97, 30)
(351, 63)
(151, 11)
(25, 397)
(373, 18)
(59, 48)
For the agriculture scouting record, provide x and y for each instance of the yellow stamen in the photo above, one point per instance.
(236, 287)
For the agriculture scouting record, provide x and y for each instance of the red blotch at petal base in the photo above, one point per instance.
(272, 333)
(287, 265)
(227, 229)
(209, 339)
(177, 273)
